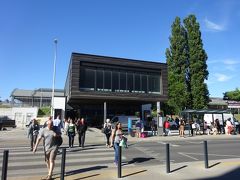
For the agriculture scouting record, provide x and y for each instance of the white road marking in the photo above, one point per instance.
(173, 145)
(183, 154)
(101, 148)
(191, 142)
(220, 155)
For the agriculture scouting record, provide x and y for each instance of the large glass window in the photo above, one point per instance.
(137, 83)
(123, 81)
(87, 79)
(99, 80)
(107, 81)
(115, 81)
(130, 82)
(154, 84)
(144, 84)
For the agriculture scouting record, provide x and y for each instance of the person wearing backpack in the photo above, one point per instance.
(71, 132)
(107, 130)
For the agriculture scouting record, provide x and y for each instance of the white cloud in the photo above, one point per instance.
(224, 64)
(212, 61)
(222, 77)
(213, 26)
(230, 62)
(231, 68)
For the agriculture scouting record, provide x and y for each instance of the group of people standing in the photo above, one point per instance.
(72, 128)
(175, 124)
(216, 128)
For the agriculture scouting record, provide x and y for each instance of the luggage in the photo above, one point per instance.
(143, 134)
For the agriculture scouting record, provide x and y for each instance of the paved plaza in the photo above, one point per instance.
(95, 161)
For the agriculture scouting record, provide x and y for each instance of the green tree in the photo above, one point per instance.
(232, 95)
(177, 56)
(197, 63)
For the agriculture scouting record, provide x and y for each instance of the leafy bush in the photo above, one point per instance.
(44, 111)
(237, 116)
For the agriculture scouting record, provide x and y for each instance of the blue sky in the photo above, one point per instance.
(136, 29)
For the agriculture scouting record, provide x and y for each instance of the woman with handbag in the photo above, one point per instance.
(117, 135)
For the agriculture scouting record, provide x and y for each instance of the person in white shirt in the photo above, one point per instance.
(57, 125)
(107, 131)
(229, 126)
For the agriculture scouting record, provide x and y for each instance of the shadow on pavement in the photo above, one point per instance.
(132, 143)
(134, 173)
(78, 171)
(79, 149)
(90, 176)
(234, 174)
(214, 164)
(139, 160)
(93, 145)
(178, 168)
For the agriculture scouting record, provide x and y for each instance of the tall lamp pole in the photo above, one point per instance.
(54, 74)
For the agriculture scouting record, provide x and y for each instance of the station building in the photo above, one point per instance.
(99, 87)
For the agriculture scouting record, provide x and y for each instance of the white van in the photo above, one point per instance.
(122, 119)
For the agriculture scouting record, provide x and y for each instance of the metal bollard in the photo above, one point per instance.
(205, 154)
(167, 158)
(5, 164)
(63, 163)
(119, 162)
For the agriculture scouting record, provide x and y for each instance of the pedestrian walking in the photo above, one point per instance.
(191, 126)
(167, 125)
(81, 129)
(153, 127)
(71, 132)
(116, 137)
(57, 125)
(66, 124)
(218, 126)
(107, 129)
(181, 128)
(229, 127)
(138, 128)
(33, 130)
(50, 146)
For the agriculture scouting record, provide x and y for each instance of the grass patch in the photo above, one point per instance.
(237, 116)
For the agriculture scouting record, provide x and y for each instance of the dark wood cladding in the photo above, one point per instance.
(72, 83)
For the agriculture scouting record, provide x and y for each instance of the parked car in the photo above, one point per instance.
(4, 123)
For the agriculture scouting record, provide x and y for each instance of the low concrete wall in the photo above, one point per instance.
(22, 115)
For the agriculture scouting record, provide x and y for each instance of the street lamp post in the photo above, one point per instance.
(54, 74)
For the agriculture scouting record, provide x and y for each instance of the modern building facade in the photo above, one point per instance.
(98, 84)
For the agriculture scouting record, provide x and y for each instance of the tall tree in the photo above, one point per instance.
(176, 60)
(197, 63)
(232, 95)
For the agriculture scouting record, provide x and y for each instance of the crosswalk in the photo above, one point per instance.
(23, 162)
